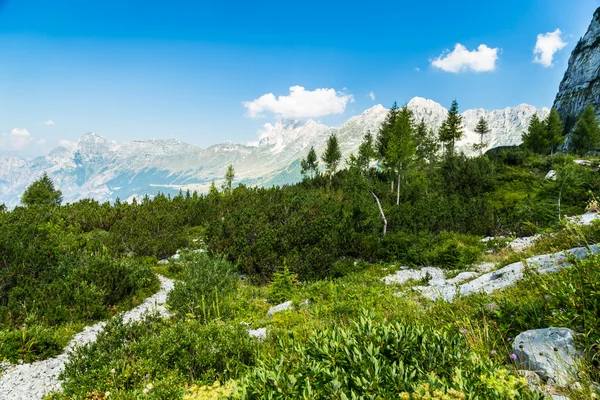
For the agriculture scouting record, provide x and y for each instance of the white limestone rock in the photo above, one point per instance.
(550, 353)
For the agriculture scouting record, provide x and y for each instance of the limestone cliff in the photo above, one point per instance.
(581, 83)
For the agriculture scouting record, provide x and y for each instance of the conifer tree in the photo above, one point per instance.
(481, 129)
(310, 164)
(427, 145)
(401, 146)
(385, 131)
(554, 131)
(41, 192)
(535, 137)
(366, 151)
(586, 135)
(229, 175)
(332, 156)
(451, 130)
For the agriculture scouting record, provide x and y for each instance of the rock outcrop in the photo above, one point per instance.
(580, 86)
(550, 353)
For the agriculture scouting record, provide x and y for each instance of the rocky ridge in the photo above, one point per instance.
(581, 83)
(105, 171)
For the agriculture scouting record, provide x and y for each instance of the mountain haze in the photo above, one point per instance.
(102, 170)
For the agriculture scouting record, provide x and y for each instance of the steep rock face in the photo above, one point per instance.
(581, 83)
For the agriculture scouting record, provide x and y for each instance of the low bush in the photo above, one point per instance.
(205, 287)
(164, 354)
(379, 359)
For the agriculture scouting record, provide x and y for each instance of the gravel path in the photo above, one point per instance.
(33, 381)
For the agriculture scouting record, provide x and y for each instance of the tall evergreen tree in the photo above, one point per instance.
(586, 135)
(554, 131)
(310, 164)
(366, 151)
(402, 146)
(451, 130)
(229, 175)
(481, 129)
(427, 145)
(535, 137)
(41, 192)
(385, 131)
(332, 156)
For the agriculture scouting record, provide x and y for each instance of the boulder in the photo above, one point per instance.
(549, 352)
(280, 307)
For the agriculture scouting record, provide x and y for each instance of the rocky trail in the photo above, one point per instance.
(33, 381)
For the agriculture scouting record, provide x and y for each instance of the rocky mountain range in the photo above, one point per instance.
(581, 83)
(97, 168)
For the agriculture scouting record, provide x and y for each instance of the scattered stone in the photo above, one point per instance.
(260, 333)
(550, 353)
(405, 274)
(507, 276)
(523, 243)
(33, 381)
(280, 307)
(163, 261)
(485, 267)
(551, 175)
(585, 219)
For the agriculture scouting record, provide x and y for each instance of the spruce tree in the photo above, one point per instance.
(427, 145)
(41, 192)
(309, 164)
(332, 156)
(229, 175)
(535, 137)
(366, 151)
(451, 130)
(586, 135)
(481, 129)
(401, 146)
(385, 131)
(554, 131)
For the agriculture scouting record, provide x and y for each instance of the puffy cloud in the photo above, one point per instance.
(546, 46)
(418, 69)
(16, 140)
(49, 122)
(460, 59)
(372, 95)
(300, 103)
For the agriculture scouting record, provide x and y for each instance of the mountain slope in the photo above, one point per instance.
(102, 170)
(580, 86)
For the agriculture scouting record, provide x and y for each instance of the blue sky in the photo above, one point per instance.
(182, 69)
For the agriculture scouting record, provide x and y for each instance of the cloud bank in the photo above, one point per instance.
(461, 59)
(300, 103)
(16, 140)
(546, 46)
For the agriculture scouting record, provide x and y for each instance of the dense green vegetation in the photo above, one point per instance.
(323, 243)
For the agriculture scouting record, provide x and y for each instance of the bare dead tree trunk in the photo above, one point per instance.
(398, 192)
(381, 212)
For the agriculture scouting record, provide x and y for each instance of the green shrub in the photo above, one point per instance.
(284, 286)
(205, 287)
(30, 343)
(163, 353)
(376, 359)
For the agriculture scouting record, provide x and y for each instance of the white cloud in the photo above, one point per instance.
(460, 59)
(253, 143)
(372, 95)
(67, 143)
(546, 45)
(40, 142)
(418, 69)
(300, 103)
(49, 122)
(16, 140)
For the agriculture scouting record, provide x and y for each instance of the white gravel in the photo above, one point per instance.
(33, 381)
